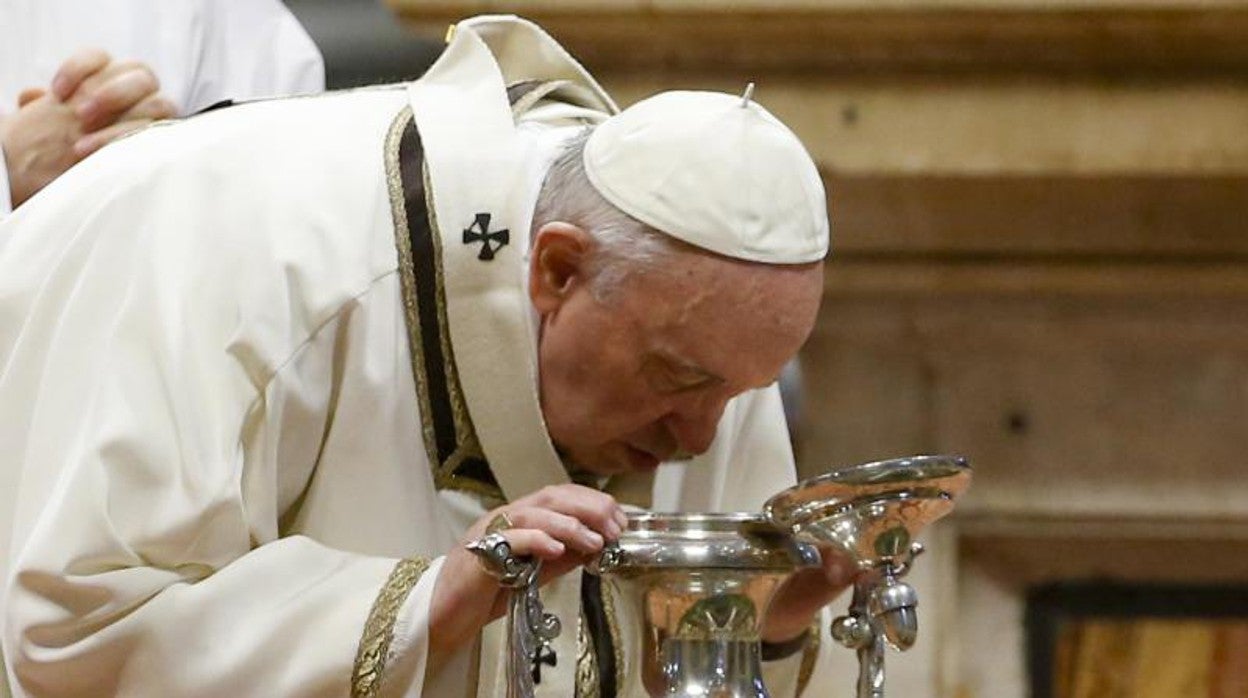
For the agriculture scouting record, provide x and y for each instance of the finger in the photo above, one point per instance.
(77, 68)
(535, 542)
(116, 96)
(595, 509)
(566, 529)
(95, 140)
(553, 569)
(92, 82)
(29, 95)
(153, 108)
(838, 568)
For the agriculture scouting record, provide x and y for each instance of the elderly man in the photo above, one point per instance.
(267, 370)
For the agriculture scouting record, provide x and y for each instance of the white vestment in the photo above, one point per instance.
(240, 422)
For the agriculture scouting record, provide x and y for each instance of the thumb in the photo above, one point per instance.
(838, 566)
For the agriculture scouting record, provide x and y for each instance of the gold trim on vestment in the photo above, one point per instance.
(613, 627)
(370, 658)
(459, 409)
(407, 275)
(530, 97)
(810, 655)
(586, 662)
(467, 444)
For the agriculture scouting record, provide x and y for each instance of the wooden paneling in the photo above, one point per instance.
(1132, 217)
(1079, 406)
(1024, 561)
(1060, 280)
(997, 127)
(861, 37)
(930, 87)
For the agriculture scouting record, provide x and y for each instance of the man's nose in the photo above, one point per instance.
(694, 426)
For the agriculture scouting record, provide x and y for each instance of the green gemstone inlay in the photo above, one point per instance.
(893, 542)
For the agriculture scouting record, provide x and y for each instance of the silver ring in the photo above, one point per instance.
(494, 555)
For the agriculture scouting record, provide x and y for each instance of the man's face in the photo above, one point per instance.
(643, 375)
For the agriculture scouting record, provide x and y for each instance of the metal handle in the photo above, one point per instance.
(530, 630)
(884, 612)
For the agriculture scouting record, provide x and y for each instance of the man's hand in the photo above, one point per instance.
(93, 100)
(563, 526)
(796, 604)
(110, 98)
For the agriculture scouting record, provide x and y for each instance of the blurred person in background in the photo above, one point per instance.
(76, 75)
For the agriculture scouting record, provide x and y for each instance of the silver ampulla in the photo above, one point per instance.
(694, 587)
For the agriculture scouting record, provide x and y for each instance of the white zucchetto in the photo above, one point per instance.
(715, 170)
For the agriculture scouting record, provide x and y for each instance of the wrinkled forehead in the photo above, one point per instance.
(710, 282)
(708, 306)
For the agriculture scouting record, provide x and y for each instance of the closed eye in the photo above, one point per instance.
(669, 375)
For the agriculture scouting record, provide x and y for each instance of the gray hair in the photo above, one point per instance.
(624, 245)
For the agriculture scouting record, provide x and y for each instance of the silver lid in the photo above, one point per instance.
(874, 510)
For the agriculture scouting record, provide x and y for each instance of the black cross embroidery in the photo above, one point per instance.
(479, 231)
(543, 655)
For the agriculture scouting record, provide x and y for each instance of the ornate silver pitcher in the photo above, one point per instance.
(872, 513)
(695, 586)
(694, 589)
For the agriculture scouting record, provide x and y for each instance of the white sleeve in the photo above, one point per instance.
(6, 193)
(252, 49)
(143, 393)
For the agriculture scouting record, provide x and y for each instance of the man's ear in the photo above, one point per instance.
(557, 263)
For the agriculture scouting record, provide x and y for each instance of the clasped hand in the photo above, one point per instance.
(92, 100)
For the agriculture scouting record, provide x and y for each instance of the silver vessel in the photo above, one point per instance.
(695, 587)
